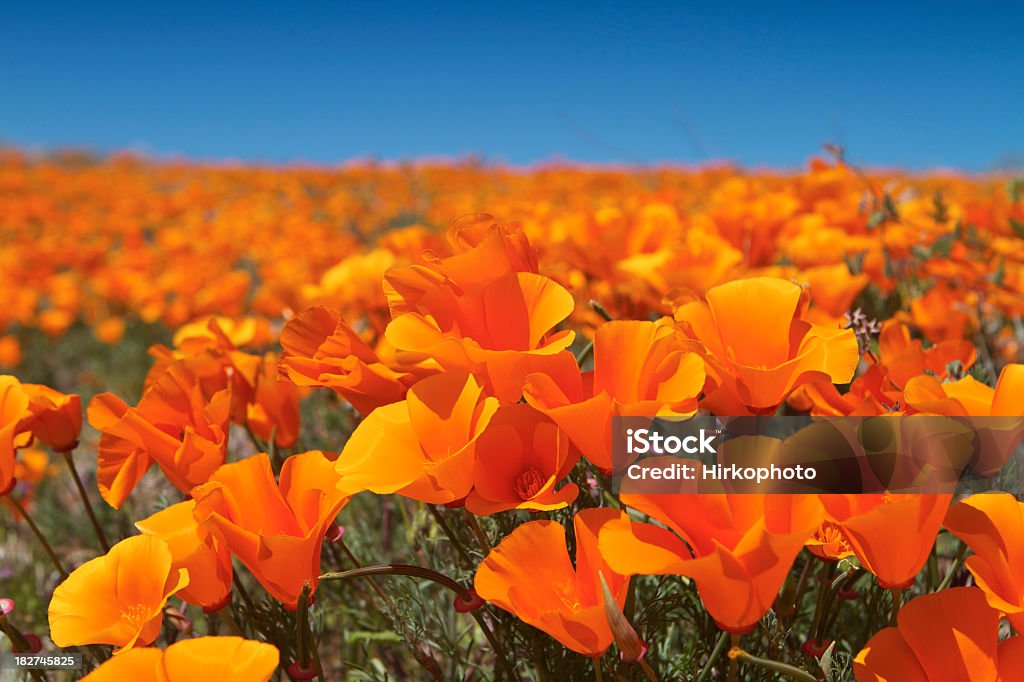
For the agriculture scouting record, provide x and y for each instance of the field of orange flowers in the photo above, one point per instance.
(355, 423)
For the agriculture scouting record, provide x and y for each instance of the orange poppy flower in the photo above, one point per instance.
(56, 418)
(737, 548)
(274, 407)
(531, 575)
(202, 659)
(521, 456)
(173, 426)
(13, 409)
(117, 598)
(640, 369)
(212, 357)
(892, 535)
(968, 396)
(906, 358)
(275, 529)
(948, 635)
(484, 310)
(423, 447)
(195, 549)
(992, 525)
(321, 349)
(759, 349)
(870, 394)
(995, 439)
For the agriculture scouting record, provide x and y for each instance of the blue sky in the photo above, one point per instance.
(758, 83)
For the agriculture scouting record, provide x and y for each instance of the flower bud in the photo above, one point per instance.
(631, 648)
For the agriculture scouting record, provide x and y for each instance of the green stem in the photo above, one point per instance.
(733, 674)
(723, 639)
(39, 535)
(308, 653)
(897, 602)
(585, 353)
(85, 501)
(775, 666)
(824, 591)
(456, 543)
(599, 309)
(598, 675)
(958, 562)
(648, 670)
(485, 545)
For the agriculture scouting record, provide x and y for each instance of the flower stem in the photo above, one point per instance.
(598, 675)
(599, 309)
(308, 653)
(648, 670)
(39, 535)
(734, 665)
(824, 592)
(481, 537)
(737, 654)
(961, 554)
(456, 543)
(723, 639)
(897, 602)
(68, 457)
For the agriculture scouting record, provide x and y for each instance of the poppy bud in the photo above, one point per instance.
(631, 647)
(179, 620)
(6, 606)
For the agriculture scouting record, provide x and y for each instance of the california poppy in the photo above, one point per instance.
(423, 447)
(56, 418)
(640, 369)
(948, 635)
(484, 310)
(521, 456)
(992, 525)
(968, 396)
(275, 406)
(321, 349)
(531, 575)
(875, 524)
(737, 548)
(117, 598)
(195, 549)
(13, 409)
(173, 426)
(275, 528)
(202, 659)
(758, 347)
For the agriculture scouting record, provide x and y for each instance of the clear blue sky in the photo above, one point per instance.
(759, 83)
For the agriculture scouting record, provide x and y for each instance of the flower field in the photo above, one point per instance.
(356, 422)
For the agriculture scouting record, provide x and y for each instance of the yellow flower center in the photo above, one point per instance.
(135, 615)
